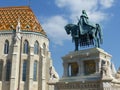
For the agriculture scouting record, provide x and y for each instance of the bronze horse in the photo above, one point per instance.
(92, 35)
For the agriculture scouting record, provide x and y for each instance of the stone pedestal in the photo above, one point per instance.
(14, 79)
(85, 64)
(88, 69)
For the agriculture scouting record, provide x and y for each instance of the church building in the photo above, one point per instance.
(24, 51)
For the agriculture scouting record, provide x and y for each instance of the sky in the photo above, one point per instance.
(53, 15)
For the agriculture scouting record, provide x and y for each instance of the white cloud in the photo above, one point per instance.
(106, 3)
(77, 5)
(95, 16)
(54, 26)
(92, 7)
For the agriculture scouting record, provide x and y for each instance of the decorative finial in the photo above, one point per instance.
(11, 27)
(29, 2)
(18, 25)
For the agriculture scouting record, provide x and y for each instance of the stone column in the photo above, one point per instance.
(16, 42)
(43, 72)
(4, 74)
(79, 65)
(97, 66)
(15, 66)
(14, 73)
(65, 65)
(82, 68)
(30, 66)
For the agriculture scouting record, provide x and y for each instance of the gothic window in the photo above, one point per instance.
(6, 47)
(1, 69)
(24, 70)
(36, 47)
(44, 48)
(35, 71)
(8, 70)
(26, 47)
(73, 69)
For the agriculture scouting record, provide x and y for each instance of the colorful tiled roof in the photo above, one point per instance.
(9, 17)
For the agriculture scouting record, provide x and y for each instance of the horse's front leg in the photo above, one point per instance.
(98, 42)
(76, 43)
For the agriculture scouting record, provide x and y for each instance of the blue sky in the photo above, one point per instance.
(55, 14)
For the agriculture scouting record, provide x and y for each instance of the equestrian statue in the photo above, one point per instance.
(85, 33)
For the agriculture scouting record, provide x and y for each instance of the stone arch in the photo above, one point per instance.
(73, 69)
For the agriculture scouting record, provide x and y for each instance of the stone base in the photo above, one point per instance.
(82, 78)
(91, 85)
(52, 81)
(87, 70)
(87, 85)
(107, 79)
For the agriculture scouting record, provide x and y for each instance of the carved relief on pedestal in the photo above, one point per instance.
(118, 74)
(105, 69)
(89, 67)
(53, 74)
(79, 86)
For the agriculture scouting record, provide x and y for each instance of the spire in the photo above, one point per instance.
(29, 3)
(18, 30)
(18, 26)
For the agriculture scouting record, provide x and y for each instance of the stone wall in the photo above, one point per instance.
(31, 37)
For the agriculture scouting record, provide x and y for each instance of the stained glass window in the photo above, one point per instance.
(8, 70)
(6, 47)
(36, 47)
(1, 69)
(26, 47)
(24, 70)
(35, 71)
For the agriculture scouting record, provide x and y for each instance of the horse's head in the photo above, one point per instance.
(68, 28)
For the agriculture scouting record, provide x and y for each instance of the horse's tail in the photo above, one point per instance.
(100, 33)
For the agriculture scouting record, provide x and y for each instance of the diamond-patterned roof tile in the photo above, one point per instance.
(10, 15)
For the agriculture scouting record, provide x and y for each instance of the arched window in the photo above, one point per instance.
(24, 70)
(26, 47)
(1, 69)
(36, 47)
(44, 48)
(8, 70)
(73, 69)
(35, 71)
(6, 47)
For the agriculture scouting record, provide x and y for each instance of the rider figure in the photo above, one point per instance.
(84, 20)
(84, 17)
